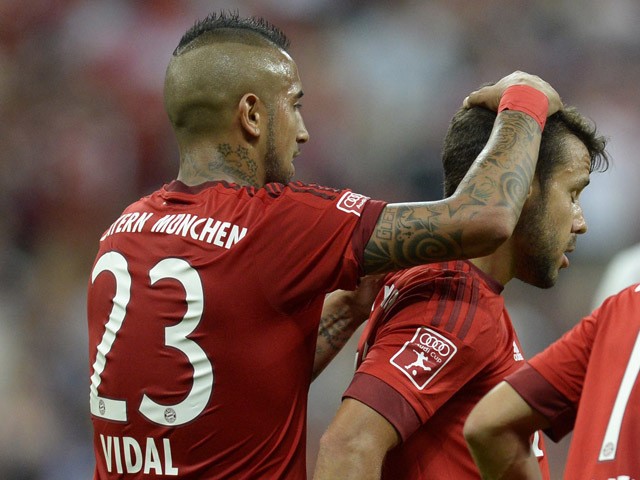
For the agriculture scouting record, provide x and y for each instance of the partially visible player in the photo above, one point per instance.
(587, 381)
(205, 297)
(621, 271)
(440, 338)
(343, 312)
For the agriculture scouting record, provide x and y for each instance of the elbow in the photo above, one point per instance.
(347, 451)
(475, 432)
(337, 445)
(483, 425)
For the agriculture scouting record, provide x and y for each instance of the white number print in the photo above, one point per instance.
(175, 336)
(610, 442)
(535, 445)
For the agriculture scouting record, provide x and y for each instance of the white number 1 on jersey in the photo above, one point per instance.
(610, 442)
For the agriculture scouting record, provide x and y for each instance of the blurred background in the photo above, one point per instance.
(83, 133)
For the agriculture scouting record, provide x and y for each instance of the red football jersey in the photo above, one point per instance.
(438, 340)
(593, 369)
(203, 310)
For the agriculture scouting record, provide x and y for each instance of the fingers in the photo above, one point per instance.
(486, 97)
(489, 96)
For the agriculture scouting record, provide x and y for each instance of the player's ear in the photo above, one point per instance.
(534, 187)
(250, 117)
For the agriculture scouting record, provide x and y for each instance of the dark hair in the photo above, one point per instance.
(229, 25)
(470, 129)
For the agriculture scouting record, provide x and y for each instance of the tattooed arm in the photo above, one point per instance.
(343, 312)
(484, 209)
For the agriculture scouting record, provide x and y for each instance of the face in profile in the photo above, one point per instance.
(286, 129)
(277, 169)
(552, 219)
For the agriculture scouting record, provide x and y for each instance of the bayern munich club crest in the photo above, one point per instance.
(424, 356)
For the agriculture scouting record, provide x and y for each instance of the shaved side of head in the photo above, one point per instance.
(217, 61)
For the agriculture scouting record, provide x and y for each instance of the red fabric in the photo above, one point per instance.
(454, 315)
(553, 405)
(586, 366)
(524, 98)
(223, 285)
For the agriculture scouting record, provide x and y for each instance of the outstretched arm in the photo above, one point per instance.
(498, 432)
(485, 208)
(342, 313)
(355, 444)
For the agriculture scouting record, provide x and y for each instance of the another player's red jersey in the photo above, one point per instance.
(593, 369)
(438, 340)
(203, 309)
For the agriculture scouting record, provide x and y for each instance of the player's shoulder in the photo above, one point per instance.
(628, 295)
(621, 306)
(426, 278)
(632, 292)
(297, 190)
(313, 189)
(449, 295)
(436, 282)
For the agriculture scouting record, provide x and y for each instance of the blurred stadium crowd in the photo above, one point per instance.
(83, 133)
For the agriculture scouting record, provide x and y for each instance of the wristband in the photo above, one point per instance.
(529, 100)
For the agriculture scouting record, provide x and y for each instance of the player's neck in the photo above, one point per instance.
(192, 180)
(499, 265)
(206, 166)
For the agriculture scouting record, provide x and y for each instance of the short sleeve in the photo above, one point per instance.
(426, 352)
(545, 399)
(386, 401)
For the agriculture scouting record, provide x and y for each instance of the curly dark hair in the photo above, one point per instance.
(470, 129)
(229, 25)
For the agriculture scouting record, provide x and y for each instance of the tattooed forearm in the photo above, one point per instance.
(408, 235)
(502, 176)
(335, 331)
(342, 313)
(474, 220)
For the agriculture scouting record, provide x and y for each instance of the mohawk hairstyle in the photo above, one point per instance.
(214, 23)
